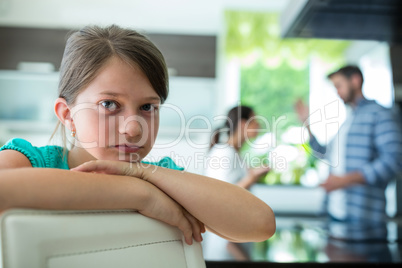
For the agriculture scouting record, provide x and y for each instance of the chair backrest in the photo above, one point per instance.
(117, 238)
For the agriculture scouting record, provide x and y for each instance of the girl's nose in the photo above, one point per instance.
(131, 126)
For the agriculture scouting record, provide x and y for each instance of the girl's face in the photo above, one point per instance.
(117, 116)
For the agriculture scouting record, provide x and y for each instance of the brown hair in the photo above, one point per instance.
(88, 49)
(233, 118)
(348, 71)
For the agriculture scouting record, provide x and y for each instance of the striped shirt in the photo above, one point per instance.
(373, 147)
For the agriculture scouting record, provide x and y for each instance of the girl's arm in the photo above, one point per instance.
(228, 210)
(43, 188)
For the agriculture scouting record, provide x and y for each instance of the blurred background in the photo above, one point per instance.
(221, 53)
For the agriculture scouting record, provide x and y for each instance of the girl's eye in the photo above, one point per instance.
(109, 105)
(148, 107)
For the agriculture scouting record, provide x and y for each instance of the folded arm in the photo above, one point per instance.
(45, 188)
(228, 210)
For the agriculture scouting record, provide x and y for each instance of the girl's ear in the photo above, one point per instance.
(63, 113)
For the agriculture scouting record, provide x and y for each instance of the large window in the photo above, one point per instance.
(274, 74)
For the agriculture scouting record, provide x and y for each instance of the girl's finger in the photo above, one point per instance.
(102, 166)
(185, 227)
(95, 166)
(202, 226)
(196, 227)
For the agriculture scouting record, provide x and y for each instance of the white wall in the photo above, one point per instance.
(173, 16)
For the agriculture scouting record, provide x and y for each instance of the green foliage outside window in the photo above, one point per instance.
(275, 72)
(272, 92)
(251, 32)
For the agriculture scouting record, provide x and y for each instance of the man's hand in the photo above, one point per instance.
(334, 182)
(302, 110)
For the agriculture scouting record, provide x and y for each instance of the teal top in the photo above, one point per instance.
(52, 156)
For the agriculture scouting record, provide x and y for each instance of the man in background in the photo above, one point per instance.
(364, 157)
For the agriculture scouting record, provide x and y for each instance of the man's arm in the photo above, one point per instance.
(318, 149)
(387, 141)
(303, 113)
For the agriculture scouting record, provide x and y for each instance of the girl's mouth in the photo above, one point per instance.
(127, 148)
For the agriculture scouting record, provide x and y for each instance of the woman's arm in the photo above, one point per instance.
(42, 188)
(253, 175)
(227, 209)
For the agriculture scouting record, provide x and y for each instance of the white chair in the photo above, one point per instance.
(73, 239)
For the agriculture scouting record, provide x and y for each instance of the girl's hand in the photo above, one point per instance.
(113, 168)
(160, 206)
(163, 208)
(215, 203)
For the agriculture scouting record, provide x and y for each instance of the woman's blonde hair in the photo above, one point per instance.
(88, 49)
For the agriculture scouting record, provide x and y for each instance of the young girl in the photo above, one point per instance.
(112, 82)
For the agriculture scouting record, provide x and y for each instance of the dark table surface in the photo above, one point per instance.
(316, 241)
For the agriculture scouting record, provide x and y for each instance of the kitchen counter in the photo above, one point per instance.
(316, 241)
(281, 198)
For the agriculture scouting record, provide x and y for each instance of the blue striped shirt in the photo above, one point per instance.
(374, 148)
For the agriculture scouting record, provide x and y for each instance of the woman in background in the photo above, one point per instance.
(226, 164)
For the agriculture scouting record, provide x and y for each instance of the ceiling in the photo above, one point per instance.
(204, 17)
(344, 19)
